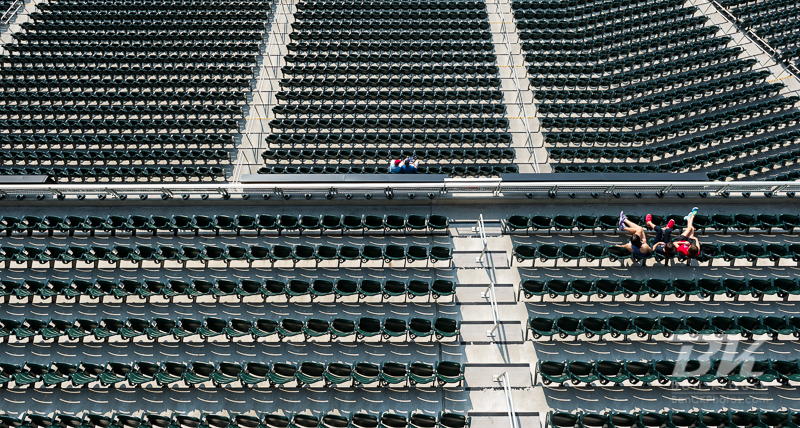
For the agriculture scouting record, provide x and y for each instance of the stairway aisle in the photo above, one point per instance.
(15, 20)
(262, 98)
(516, 89)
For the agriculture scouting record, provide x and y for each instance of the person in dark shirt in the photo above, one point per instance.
(662, 244)
(409, 166)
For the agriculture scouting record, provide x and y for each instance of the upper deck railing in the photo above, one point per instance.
(388, 186)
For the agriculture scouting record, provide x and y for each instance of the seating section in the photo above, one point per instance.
(207, 253)
(248, 374)
(620, 326)
(224, 420)
(223, 224)
(184, 329)
(773, 253)
(774, 21)
(715, 223)
(200, 302)
(86, 291)
(703, 288)
(366, 82)
(745, 223)
(672, 418)
(691, 372)
(117, 90)
(660, 90)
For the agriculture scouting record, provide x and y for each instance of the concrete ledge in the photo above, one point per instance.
(482, 375)
(343, 178)
(509, 332)
(602, 176)
(470, 294)
(500, 419)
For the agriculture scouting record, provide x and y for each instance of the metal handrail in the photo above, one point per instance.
(520, 99)
(763, 44)
(448, 187)
(512, 413)
(490, 294)
(481, 230)
(11, 11)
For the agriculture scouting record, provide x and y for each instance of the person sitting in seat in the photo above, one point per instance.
(638, 243)
(662, 244)
(687, 244)
(409, 166)
(394, 166)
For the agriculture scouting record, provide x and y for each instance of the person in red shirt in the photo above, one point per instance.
(687, 244)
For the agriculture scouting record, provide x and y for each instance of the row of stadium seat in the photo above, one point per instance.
(712, 144)
(233, 420)
(73, 142)
(100, 288)
(122, 111)
(788, 176)
(630, 54)
(569, 252)
(708, 253)
(249, 374)
(672, 418)
(386, 123)
(109, 173)
(111, 5)
(117, 125)
(163, 13)
(386, 109)
(110, 157)
(180, 330)
(599, 24)
(222, 223)
(400, 24)
(663, 372)
(394, 46)
(439, 13)
(364, 141)
(412, 94)
(545, 66)
(457, 170)
(721, 102)
(654, 287)
(756, 166)
(390, 34)
(721, 61)
(784, 148)
(206, 253)
(656, 100)
(389, 5)
(789, 119)
(388, 57)
(703, 223)
(72, 26)
(670, 44)
(698, 123)
(336, 155)
(563, 10)
(621, 326)
(566, 43)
